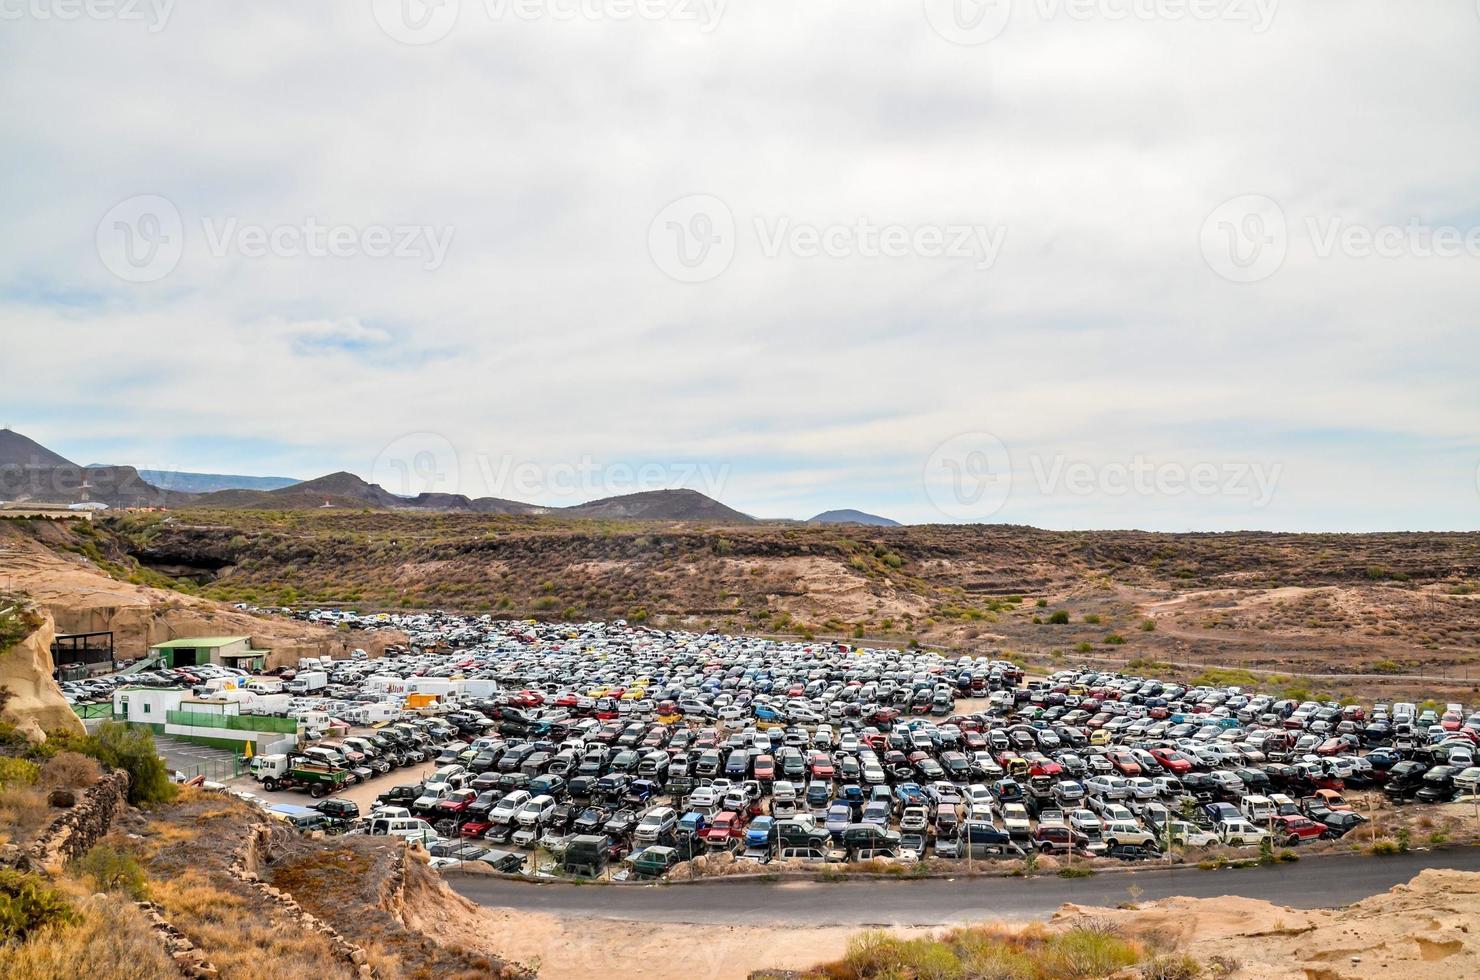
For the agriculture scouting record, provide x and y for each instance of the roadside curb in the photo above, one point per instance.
(844, 878)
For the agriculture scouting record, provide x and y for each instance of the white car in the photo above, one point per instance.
(1108, 787)
(535, 811)
(1191, 835)
(1240, 833)
(503, 811)
(1143, 788)
(1015, 820)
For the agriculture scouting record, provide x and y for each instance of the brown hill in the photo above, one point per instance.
(20, 452)
(660, 505)
(1373, 604)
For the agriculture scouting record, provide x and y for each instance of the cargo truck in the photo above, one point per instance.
(277, 772)
(307, 682)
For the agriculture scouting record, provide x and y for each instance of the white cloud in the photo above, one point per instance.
(549, 332)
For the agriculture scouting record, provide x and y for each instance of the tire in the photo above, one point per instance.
(271, 785)
(316, 791)
(1294, 841)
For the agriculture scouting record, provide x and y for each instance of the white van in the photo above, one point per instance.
(410, 829)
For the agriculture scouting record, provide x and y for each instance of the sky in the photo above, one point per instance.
(1162, 264)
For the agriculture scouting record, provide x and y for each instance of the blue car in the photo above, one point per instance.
(761, 832)
(839, 816)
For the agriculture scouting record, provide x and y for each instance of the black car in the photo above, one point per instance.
(485, 801)
(338, 809)
(620, 824)
(590, 820)
(403, 795)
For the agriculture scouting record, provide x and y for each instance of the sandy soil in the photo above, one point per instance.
(1423, 929)
(577, 949)
(1419, 930)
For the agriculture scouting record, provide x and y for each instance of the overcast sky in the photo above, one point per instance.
(1071, 264)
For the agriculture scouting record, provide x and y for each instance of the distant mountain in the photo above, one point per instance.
(31, 472)
(659, 505)
(852, 517)
(211, 482)
(19, 452)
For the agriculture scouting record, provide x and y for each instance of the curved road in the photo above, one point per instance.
(1312, 883)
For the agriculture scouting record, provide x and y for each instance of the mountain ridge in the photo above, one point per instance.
(30, 472)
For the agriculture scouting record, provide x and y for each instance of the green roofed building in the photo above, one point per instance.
(228, 651)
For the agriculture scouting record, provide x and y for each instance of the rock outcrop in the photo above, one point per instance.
(81, 598)
(35, 703)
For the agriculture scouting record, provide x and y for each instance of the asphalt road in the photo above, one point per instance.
(1313, 883)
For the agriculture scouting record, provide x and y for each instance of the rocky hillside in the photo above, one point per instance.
(1382, 604)
(84, 588)
(31, 699)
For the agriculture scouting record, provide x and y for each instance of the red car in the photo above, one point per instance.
(457, 801)
(474, 828)
(1125, 763)
(1292, 829)
(1173, 761)
(765, 768)
(821, 765)
(727, 826)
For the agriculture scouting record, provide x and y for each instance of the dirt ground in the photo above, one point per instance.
(1409, 932)
(1423, 929)
(577, 949)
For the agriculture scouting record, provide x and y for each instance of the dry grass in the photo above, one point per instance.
(23, 813)
(69, 770)
(111, 939)
(987, 953)
(234, 931)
